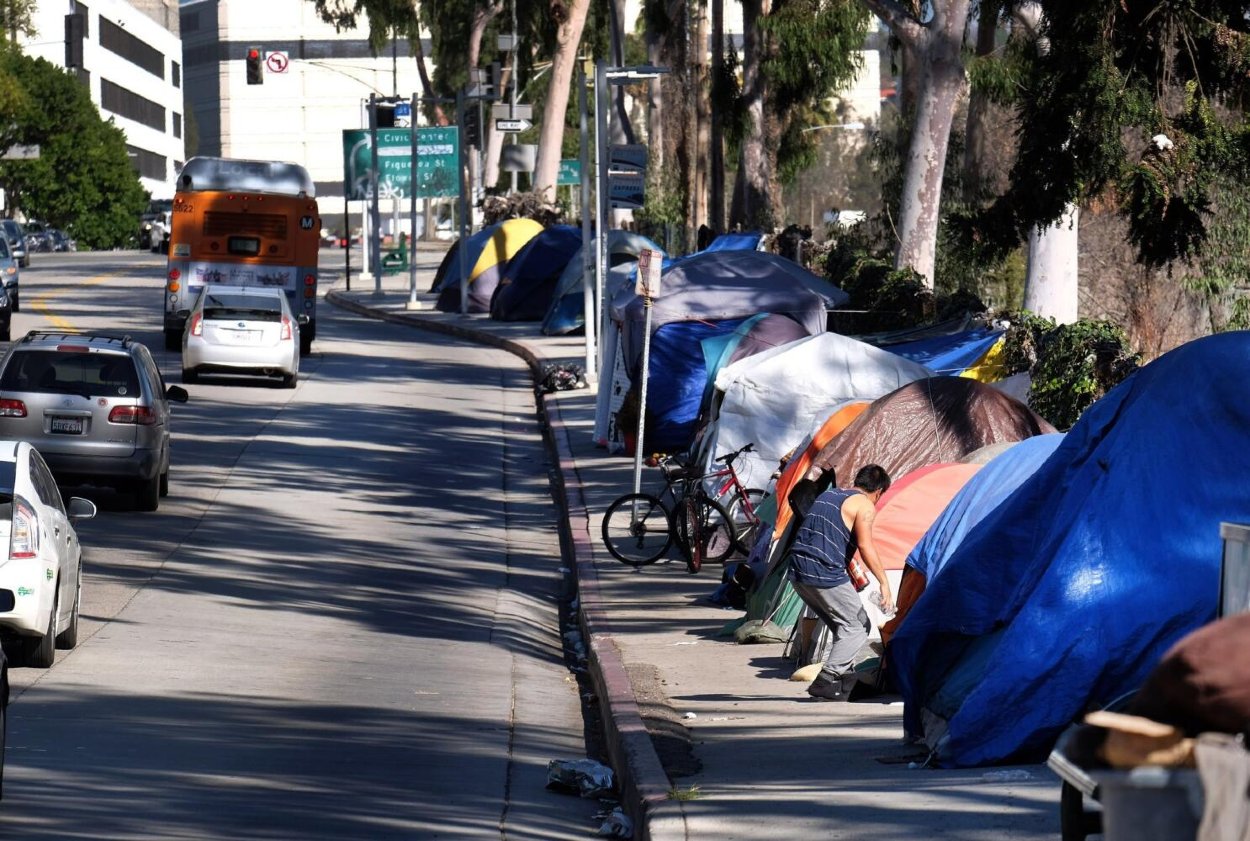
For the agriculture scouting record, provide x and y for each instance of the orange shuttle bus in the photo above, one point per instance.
(243, 223)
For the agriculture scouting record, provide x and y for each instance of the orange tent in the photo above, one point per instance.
(798, 465)
(906, 511)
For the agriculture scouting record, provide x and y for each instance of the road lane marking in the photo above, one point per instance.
(43, 304)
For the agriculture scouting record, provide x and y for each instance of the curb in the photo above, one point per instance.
(643, 784)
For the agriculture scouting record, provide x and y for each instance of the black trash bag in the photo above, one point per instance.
(580, 776)
(561, 377)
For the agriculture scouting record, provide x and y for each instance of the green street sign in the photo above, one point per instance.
(570, 173)
(438, 162)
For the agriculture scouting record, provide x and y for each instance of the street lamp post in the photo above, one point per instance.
(605, 76)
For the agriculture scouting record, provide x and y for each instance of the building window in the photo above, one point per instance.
(80, 9)
(117, 40)
(177, 125)
(175, 74)
(148, 164)
(130, 105)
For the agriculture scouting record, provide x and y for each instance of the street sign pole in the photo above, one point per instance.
(413, 303)
(602, 224)
(374, 244)
(648, 285)
(464, 212)
(589, 310)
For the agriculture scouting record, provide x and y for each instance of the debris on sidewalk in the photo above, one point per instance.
(585, 777)
(562, 377)
(617, 825)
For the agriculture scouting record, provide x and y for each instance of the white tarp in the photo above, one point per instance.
(776, 398)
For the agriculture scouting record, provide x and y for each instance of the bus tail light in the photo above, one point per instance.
(174, 276)
(286, 329)
(197, 325)
(139, 415)
(24, 542)
(10, 408)
(310, 280)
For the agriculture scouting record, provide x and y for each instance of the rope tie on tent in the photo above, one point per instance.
(937, 429)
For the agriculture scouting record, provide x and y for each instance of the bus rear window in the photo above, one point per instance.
(247, 246)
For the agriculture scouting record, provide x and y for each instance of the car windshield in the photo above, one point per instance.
(250, 307)
(71, 372)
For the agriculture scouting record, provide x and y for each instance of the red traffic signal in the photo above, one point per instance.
(255, 66)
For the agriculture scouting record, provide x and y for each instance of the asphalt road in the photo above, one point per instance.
(342, 622)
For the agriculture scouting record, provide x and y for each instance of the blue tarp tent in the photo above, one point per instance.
(567, 310)
(529, 280)
(982, 494)
(735, 242)
(950, 354)
(703, 296)
(1067, 594)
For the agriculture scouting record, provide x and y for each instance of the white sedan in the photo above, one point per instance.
(241, 330)
(41, 572)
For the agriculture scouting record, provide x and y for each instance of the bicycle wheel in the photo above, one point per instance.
(636, 529)
(705, 531)
(746, 520)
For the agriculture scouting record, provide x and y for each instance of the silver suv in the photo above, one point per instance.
(15, 235)
(96, 407)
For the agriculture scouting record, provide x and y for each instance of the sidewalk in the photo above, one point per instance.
(751, 755)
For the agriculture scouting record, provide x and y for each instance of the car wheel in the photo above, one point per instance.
(67, 639)
(41, 651)
(189, 376)
(148, 494)
(6, 334)
(289, 380)
(173, 340)
(165, 482)
(17, 303)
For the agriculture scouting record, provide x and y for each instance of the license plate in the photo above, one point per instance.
(67, 426)
(245, 337)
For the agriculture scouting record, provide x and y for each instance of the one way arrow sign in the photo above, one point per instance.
(512, 126)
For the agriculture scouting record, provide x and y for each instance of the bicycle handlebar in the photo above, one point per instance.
(728, 458)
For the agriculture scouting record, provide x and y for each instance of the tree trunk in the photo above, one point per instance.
(702, 120)
(716, 152)
(938, 44)
(437, 114)
(1050, 282)
(551, 133)
(655, 105)
(751, 201)
(482, 16)
(622, 127)
(976, 141)
(494, 139)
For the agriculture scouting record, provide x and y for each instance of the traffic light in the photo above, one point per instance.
(473, 125)
(255, 66)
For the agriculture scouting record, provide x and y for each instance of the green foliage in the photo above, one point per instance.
(814, 52)
(1113, 75)
(663, 216)
(83, 180)
(1071, 365)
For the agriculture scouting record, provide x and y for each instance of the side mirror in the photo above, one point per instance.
(177, 393)
(80, 509)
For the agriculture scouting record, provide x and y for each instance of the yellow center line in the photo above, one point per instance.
(43, 303)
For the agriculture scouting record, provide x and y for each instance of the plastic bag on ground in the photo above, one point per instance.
(581, 776)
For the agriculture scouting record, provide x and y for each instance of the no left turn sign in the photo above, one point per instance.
(277, 62)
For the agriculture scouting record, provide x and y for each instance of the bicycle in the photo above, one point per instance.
(743, 502)
(638, 529)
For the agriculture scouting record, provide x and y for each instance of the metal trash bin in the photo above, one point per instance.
(1150, 803)
(1235, 569)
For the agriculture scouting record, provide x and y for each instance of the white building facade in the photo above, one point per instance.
(129, 56)
(316, 84)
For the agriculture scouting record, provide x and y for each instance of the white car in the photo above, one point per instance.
(41, 569)
(241, 330)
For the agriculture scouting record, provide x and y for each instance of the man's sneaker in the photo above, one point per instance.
(824, 689)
